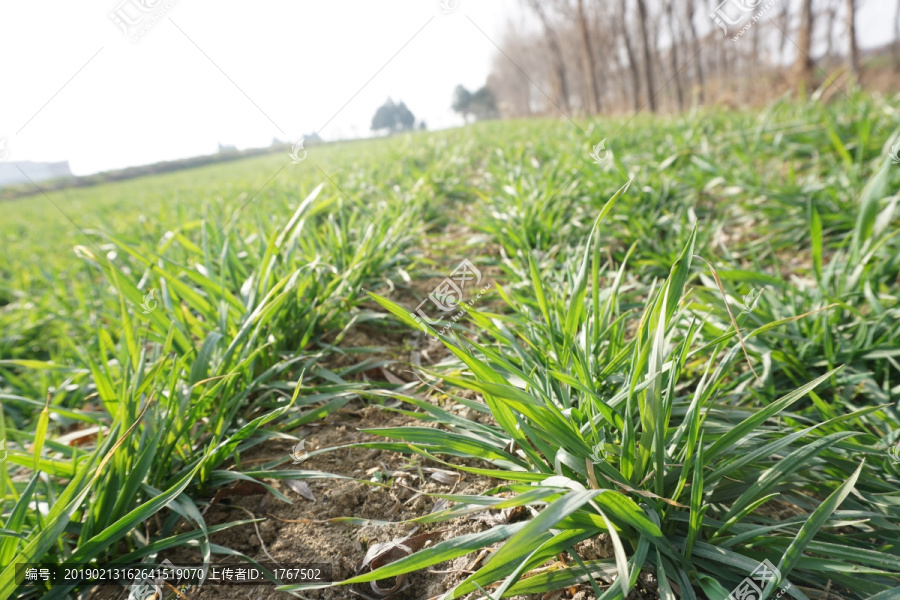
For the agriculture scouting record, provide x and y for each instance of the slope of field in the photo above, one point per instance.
(643, 372)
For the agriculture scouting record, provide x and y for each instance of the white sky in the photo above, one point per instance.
(282, 68)
(160, 98)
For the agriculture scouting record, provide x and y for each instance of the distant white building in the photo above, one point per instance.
(10, 173)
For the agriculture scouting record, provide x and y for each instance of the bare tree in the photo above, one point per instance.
(648, 66)
(673, 54)
(803, 64)
(604, 25)
(853, 49)
(600, 56)
(556, 54)
(897, 37)
(691, 8)
(830, 17)
(785, 19)
(512, 91)
(632, 63)
(589, 72)
(752, 71)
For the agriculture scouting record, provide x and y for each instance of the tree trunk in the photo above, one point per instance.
(648, 66)
(589, 72)
(604, 25)
(753, 74)
(803, 64)
(785, 19)
(896, 43)
(695, 48)
(673, 55)
(632, 63)
(853, 49)
(897, 37)
(831, 15)
(559, 63)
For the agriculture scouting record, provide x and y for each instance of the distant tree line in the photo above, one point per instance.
(393, 117)
(594, 56)
(481, 104)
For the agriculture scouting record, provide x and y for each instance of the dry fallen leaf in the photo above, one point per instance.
(381, 554)
(445, 477)
(391, 378)
(80, 437)
(301, 487)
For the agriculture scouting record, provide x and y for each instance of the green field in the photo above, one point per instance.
(617, 400)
